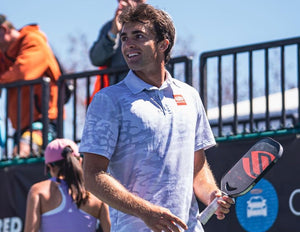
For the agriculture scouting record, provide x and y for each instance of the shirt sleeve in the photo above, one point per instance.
(204, 138)
(103, 48)
(101, 129)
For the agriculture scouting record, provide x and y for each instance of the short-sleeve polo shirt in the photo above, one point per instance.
(149, 134)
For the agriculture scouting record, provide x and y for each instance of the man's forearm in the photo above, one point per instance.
(110, 191)
(204, 181)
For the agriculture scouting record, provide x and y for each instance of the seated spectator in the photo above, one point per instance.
(62, 202)
(26, 55)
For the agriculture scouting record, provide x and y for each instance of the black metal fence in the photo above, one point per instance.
(71, 116)
(247, 89)
(238, 87)
(9, 134)
(74, 111)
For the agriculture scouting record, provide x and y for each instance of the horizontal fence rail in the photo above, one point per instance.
(83, 88)
(231, 81)
(237, 86)
(71, 116)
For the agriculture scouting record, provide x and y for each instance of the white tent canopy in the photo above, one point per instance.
(259, 106)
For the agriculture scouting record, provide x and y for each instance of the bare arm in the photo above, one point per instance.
(104, 218)
(110, 191)
(105, 47)
(116, 25)
(204, 180)
(33, 211)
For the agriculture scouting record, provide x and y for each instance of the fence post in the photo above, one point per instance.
(60, 108)
(189, 71)
(45, 108)
(203, 80)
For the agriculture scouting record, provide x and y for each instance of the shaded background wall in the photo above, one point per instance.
(280, 186)
(15, 181)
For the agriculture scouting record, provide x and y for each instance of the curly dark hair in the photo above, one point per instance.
(161, 21)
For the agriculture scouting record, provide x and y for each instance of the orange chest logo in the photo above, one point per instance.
(179, 99)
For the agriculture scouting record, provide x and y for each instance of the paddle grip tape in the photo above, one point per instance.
(209, 211)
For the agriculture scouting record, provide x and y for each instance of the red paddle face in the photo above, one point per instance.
(257, 163)
(251, 167)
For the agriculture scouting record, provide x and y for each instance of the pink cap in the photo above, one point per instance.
(54, 150)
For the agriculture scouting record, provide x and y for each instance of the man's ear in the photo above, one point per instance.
(164, 44)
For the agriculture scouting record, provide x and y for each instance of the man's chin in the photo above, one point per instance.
(134, 67)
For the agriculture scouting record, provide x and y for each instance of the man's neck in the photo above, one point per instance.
(154, 77)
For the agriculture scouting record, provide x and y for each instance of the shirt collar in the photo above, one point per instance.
(136, 85)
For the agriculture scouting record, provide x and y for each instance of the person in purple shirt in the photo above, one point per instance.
(62, 203)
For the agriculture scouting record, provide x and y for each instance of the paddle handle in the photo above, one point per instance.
(207, 213)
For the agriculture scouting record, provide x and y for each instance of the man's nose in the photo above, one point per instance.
(129, 43)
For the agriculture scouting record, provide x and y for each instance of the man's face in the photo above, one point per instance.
(139, 46)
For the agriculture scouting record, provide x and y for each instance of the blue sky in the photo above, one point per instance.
(205, 25)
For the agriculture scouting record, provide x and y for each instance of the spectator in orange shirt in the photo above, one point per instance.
(26, 55)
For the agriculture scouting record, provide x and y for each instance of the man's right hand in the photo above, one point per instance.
(116, 26)
(161, 219)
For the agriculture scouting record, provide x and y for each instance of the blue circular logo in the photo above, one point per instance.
(257, 210)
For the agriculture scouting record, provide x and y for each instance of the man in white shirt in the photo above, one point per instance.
(150, 131)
